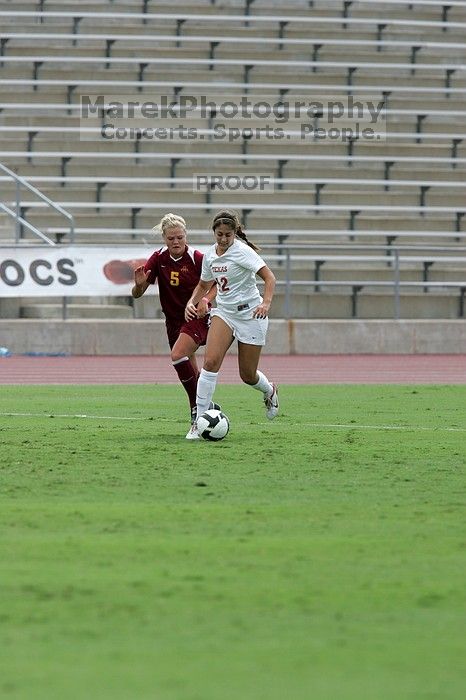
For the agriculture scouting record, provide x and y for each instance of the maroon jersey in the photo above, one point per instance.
(176, 280)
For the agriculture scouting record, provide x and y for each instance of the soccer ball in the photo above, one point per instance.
(213, 425)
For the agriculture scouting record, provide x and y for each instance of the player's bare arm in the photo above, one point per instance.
(201, 290)
(203, 305)
(267, 275)
(140, 282)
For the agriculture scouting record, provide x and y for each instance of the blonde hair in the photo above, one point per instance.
(231, 219)
(169, 221)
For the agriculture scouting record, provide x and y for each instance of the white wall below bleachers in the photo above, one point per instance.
(303, 337)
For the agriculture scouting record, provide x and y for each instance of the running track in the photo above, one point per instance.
(295, 369)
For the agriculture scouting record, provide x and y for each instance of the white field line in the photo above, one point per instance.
(383, 427)
(72, 415)
(344, 426)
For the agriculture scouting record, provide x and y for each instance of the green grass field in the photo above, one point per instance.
(318, 557)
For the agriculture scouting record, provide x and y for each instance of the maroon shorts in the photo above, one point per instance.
(196, 329)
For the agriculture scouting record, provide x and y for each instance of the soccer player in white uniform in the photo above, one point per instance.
(241, 313)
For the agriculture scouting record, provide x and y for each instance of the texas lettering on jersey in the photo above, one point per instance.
(235, 273)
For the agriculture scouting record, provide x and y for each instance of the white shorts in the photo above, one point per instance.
(251, 331)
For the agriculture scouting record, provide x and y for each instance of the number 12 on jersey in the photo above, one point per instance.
(222, 283)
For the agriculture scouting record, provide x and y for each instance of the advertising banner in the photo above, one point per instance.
(47, 271)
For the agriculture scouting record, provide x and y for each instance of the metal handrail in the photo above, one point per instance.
(265, 41)
(20, 221)
(77, 15)
(393, 258)
(23, 222)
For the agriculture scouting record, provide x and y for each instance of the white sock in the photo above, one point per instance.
(263, 384)
(205, 390)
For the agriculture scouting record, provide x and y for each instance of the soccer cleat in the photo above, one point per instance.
(212, 405)
(271, 403)
(193, 434)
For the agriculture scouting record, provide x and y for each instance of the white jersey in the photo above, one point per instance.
(235, 274)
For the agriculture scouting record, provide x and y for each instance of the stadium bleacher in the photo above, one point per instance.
(404, 188)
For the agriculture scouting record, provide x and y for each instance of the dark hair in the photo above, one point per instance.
(229, 217)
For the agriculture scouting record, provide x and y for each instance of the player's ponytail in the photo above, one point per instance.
(230, 218)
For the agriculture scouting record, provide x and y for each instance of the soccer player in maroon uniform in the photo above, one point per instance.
(177, 269)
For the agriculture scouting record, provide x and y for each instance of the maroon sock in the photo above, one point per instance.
(188, 377)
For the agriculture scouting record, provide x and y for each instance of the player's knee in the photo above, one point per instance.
(248, 377)
(176, 356)
(211, 364)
